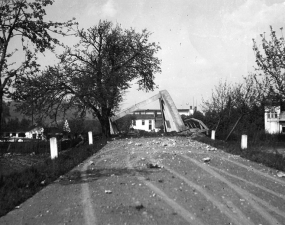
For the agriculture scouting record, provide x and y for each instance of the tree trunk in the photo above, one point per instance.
(218, 124)
(234, 127)
(1, 110)
(104, 121)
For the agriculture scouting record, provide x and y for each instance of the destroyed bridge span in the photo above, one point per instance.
(171, 118)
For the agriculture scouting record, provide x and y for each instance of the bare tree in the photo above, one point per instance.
(245, 96)
(270, 59)
(221, 97)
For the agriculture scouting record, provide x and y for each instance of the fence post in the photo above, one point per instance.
(244, 141)
(53, 148)
(90, 137)
(213, 134)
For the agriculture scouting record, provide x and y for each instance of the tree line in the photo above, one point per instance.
(93, 75)
(239, 108)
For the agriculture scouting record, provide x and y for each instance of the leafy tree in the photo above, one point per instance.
(5, 114)
(125, 123)
(270, 69)
(25, 124)
(23, 21)
(95, 73)
(13, 124)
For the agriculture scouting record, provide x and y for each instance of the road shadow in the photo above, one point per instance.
(91, 175)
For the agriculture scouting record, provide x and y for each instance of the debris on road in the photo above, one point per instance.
(163, 144)
(207, 159)
(280, 174)
(153, 166)
(138, 205)
(210, 148)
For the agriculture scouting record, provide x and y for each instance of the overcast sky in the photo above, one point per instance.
(202, 41)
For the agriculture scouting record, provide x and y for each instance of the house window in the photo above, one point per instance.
(22, 135)
(150, 125)
(142, 122)
(134, 122)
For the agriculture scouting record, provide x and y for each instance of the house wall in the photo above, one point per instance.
(186, 113)
(145, 127)
(271, 121)
(37, 132)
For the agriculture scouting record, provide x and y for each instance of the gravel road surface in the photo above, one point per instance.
(162, 180)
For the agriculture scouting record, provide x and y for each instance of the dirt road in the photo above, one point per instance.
(159, 181)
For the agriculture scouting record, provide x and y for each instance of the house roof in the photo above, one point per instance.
(156, 110)
(147, 110)
(144, 117)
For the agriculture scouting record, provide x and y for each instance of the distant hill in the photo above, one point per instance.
(69, 115)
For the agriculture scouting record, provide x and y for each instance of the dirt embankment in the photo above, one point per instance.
(159, 181)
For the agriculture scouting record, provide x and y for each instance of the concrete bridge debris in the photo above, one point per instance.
(171, 118)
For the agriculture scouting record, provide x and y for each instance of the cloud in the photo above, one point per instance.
(252, 18)
(224, 38)
(106, 10)
(109, 10)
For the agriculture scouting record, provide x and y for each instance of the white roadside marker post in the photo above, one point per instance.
(53, 148)
(90, 137)
(244, 141)
(213, 134)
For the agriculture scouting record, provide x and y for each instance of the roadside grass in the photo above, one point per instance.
(17, 187)
(257, 150)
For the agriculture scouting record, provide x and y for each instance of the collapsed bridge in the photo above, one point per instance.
(171, 119)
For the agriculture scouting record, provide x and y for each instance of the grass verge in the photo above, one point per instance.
(17, 187)
(253, 153)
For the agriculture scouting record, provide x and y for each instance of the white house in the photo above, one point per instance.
(151, 119)
(32, 133)
(274, 120)
(36, 133)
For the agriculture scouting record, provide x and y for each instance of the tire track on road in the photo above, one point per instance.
(235, 215)
(279, 195)
(188, 216)
(89, 214)
(255, 170)
(250, 198)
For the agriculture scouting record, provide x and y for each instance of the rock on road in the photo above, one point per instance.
(165, 180)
